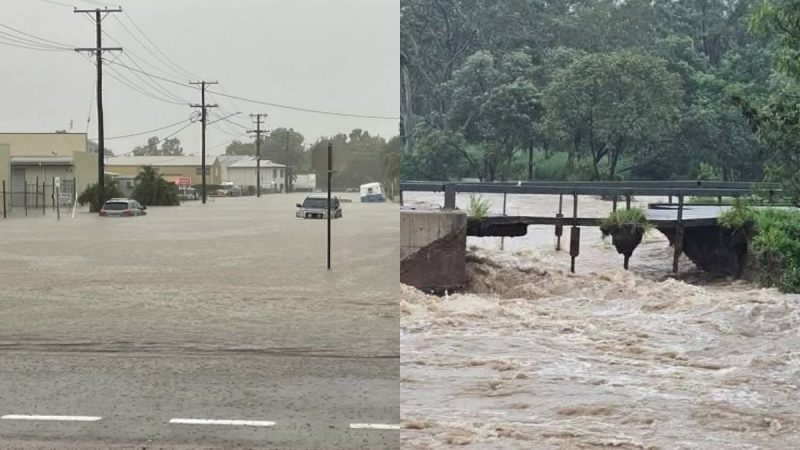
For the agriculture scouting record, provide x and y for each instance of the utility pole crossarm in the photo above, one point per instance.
(94, 49)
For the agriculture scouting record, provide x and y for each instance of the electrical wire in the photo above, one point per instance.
(39, 38)
(276, 105)
(117, 75)
(150, 131)
(308, 110)
(164, 59)
(129, 55)
(31, 48)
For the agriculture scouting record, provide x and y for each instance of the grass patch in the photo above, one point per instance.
(634, 217)
(478, 207)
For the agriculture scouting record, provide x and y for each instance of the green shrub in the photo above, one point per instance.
(91, 196)
(634, 217)
(738, 216)
(776, 248)
(478, 207)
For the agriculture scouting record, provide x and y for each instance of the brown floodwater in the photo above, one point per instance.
(532, 356)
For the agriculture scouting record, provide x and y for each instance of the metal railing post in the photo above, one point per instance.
(449, 197)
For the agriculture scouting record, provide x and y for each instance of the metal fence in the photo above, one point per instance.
(38, 197)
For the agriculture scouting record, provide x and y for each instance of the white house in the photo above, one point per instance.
(243, 173)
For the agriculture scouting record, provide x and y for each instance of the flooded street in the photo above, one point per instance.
(533, 356)
(224, 309)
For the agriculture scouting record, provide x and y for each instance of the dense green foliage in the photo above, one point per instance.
(92, 197)
(600, 89)
(776, 248)
(152, 189)
(169, 147)
(358, 158)
(774, 244)
(634, 218)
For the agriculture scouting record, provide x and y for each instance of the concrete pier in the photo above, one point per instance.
(433, 250)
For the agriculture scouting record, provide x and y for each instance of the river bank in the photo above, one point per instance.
(532, 356)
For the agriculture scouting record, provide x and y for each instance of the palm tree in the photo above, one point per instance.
(153, 189)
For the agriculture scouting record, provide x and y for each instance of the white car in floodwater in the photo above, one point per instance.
(122, 207)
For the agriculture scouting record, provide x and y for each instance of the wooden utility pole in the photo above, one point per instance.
(330, 184)
(286, 169)
(99, 14)
(203, 118)
(258, 131)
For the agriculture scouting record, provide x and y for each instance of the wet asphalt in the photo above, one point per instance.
(221, 311)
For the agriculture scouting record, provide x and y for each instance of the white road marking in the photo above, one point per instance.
(374, 426)
(35, 417)
(251, 423)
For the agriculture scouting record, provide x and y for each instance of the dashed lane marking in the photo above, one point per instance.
(250, 423)
(374, 426)
(38, 417)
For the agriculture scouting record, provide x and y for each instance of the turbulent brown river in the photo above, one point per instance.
(532, 356)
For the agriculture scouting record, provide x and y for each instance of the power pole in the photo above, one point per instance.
(286, 169)
(330, 177)
(99, 15)
(203, 118)
(258, 131)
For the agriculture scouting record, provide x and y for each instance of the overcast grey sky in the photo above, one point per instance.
(333, 55)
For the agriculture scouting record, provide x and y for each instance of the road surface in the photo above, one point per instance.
(197, 326)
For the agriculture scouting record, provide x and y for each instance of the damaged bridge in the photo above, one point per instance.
(692, 229)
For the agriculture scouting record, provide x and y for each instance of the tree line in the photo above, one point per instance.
(359, 157)
(599, 89)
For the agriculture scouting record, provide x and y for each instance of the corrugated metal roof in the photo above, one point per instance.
(227, 160)
(250, 162)
(159, 161)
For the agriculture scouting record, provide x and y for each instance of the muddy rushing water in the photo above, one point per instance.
(536, 357)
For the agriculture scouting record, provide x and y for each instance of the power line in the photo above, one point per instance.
(48, 41)
(152, 83)
(8, 37)
(276, 105)
(159, 88)
(178, 83)
(150, 131)
(115, 74)
(309, 110)
(33, 48)
(180, 70)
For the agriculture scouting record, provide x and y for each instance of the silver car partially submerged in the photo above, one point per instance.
(122, 207)
(316, 207)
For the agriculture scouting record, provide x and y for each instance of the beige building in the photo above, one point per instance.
(29, 160)
(172, 168)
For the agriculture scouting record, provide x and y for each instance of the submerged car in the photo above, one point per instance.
(316, 207)
(122, 207)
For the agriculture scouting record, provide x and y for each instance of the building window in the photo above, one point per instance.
(281, 171)
(199, 170)
(274, 173)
